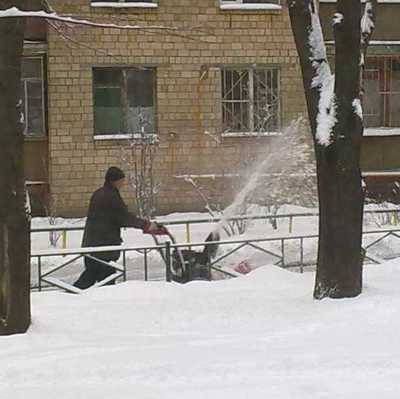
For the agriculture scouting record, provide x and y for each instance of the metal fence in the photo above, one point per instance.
(274, 248)
(392, 215)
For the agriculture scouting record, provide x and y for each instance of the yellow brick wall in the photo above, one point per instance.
(187, 105)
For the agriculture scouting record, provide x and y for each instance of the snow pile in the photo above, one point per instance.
(259, 336)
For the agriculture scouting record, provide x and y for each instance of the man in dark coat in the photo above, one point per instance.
(107, 214)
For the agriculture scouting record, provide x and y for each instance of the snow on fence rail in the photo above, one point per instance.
(393, 212)
(229, 247)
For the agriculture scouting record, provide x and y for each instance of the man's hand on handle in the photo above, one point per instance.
(154, 228)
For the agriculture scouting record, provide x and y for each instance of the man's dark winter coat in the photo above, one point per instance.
(107, 214)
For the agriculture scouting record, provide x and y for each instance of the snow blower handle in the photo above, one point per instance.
(154, 228)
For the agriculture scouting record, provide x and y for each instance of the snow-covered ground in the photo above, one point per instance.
(258, 336)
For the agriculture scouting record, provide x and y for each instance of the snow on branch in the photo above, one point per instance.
(14, 12)
(367, 26)
(367, 29)
(322, 79)
(358, 108)
(369, 17)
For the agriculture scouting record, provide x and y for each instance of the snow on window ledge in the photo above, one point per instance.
(375, 173)
(35, 182)
(265, 6)
(111, 137)
(363, 1)
(108, 4)
(381, 131)
(250, 134)
(147, 138)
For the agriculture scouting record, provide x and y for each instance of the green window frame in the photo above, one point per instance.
(124, 101)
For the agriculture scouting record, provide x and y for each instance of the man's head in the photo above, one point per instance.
(115, 176)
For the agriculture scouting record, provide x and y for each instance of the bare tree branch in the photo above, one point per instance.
(68, 38)
(14, 12)
(47, 6)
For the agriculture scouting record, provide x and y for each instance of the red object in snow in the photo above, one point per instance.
(243, 267)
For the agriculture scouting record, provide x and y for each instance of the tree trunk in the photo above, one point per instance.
(14, 218)
(339, 267)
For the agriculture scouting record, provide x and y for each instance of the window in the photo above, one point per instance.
(124, 101)
(250, 100)
(124, 3)
(32, 96)
(381, 100)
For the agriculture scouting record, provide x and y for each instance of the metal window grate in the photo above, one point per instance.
(250, 100)
(381, 83)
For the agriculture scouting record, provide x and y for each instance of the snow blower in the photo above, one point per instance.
(187, 264)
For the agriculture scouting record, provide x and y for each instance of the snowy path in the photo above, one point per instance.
(260, 336)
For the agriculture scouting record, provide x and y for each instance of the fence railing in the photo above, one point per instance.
(278, 255)
(392, 213)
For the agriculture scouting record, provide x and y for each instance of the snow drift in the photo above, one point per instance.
(257, 336)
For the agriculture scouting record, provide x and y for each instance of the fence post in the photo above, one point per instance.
(145, 266)
(168, 260)
(187, 232)
(301, 255)
(64, 239)
(124, 264)
(39, 273)
(290, 224)
(395, 218)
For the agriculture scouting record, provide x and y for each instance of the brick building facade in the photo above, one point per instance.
(185, 86)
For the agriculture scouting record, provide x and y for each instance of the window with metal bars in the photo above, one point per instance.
(381, 99)
(32, 96)
(250, 100)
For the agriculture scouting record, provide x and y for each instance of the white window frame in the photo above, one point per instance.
(24, 83)
(251, 101)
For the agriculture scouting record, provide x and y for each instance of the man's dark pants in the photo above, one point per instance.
(94, 271)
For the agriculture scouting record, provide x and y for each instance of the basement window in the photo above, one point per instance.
(124, 101)
(381, 99)
(124, 4)
(33, 97)
(250, 5)
(250, 101)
